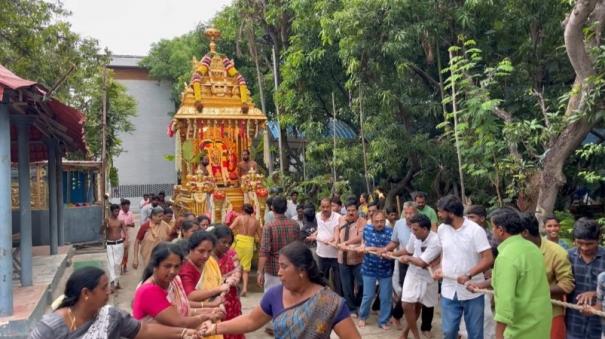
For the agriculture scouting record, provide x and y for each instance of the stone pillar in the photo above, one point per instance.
(60, 204)
(51, 172)
(6, 225)
(23, 123)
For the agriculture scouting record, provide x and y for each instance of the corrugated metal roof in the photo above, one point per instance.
(10, 80)
(66, 116)
(343, 131)
(594, 138)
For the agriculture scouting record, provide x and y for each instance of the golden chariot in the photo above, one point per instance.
(216, 122)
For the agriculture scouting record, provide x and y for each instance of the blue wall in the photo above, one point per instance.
(80, 188)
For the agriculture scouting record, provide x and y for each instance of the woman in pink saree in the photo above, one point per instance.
(160, 296)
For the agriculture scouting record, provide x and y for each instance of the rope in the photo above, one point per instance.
(477, 290)
(553, 301)
(352, 248)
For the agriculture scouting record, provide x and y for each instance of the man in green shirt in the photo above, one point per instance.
(522, 293)
(423, 208)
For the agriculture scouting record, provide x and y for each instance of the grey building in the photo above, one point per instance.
(142, 167)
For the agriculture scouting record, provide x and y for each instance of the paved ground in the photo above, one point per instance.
(122, 298)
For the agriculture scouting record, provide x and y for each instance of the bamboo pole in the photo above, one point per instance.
(266, 140)
(280, 139)
(456, 138)
(334, 143)
(363, 143)
(104, 146)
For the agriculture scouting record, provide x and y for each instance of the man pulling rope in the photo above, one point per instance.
(438, 275)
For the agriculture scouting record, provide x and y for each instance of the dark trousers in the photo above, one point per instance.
(397, 311)
(331, 264)
(352, 285)
(427, 318)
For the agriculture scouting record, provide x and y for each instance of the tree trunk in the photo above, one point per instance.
(551, 175)
(584, 14)
(405, 184)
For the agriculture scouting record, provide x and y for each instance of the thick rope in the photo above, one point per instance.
(477, 290)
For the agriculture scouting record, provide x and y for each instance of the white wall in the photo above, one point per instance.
(142, 161)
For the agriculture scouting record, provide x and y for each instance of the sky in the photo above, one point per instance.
(129, 27)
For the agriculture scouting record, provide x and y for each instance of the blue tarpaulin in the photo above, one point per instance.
(343, 131)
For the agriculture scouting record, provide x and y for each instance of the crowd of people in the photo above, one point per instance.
(325, 270)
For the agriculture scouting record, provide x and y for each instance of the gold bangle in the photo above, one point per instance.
(183, 333)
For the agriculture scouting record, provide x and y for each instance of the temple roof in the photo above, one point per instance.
(217, 91)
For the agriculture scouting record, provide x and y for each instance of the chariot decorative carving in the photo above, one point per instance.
(216, 122)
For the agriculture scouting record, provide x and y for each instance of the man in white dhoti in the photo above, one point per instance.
(419, 288)
(116, 237)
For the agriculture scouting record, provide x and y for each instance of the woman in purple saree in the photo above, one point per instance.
(302, 307)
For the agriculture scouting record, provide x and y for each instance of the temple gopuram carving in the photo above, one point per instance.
(213, 128)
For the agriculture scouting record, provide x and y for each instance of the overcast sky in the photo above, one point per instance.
(131, 26)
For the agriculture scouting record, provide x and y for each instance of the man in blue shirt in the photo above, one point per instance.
(399, 240)
(376, 269)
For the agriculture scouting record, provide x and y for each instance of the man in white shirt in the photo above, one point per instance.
(144, 201)
(327, 221)
(466, 254)
(292, 204)
(419, 288)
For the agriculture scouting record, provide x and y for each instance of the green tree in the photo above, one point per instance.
(519, 122)
(36, 44)
(538, 121)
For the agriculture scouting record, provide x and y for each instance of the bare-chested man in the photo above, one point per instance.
(116, 236)
(246, 228)
(204, 164)
(246, 164)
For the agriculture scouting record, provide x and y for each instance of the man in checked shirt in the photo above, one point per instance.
(587, 262)
(276, 234)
